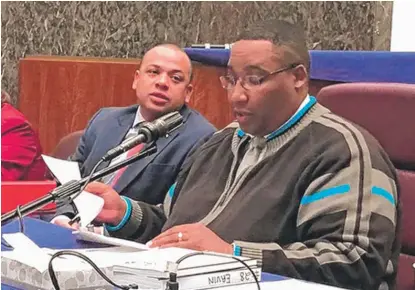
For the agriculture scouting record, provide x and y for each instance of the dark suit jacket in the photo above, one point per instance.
(20, 147)
(150, 178)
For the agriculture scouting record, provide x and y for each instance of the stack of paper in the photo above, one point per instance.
(129, 263)
(150, 269)
(26, 267)
(85, 235)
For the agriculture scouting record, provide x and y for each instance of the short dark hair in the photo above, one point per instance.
(284, 34)
(178, 48)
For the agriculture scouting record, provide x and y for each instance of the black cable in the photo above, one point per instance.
(21, 223)
(172, 284)
(21, 228)
(55, 282)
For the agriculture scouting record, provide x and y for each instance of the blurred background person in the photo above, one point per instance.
(20, 147)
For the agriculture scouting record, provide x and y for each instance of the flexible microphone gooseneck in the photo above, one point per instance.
(148, 132)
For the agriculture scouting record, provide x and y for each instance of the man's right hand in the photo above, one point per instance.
(63, 221)
(114, 206)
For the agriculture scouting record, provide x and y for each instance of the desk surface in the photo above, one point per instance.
(49, 235)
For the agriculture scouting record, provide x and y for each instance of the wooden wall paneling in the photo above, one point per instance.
(59, 95)
(209, 98)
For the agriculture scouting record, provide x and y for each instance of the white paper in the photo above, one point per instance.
(21, 241)
(22, 245)
(85, 235)
(63, 170)
(88, 205)
(103, 257)
(27, 252)
(164, 260)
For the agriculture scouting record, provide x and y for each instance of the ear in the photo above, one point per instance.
(188, 92)
(136, 78)
(300, 75)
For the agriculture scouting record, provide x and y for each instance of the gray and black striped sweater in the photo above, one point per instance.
(318, 203)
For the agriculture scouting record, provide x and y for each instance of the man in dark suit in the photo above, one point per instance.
(162, 85)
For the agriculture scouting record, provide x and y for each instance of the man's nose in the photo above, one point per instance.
(237, 94)
(163, 80)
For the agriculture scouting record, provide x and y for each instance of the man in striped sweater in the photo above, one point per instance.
(311, 194)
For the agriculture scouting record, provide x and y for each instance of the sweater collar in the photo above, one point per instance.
(304, 107)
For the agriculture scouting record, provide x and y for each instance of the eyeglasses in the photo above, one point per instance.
(250, 82)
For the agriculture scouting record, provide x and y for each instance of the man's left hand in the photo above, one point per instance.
(191, 236)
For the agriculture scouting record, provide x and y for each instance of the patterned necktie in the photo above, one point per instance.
(120, 171)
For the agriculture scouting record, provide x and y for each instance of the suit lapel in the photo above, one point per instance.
(116, 131)
(136, 168)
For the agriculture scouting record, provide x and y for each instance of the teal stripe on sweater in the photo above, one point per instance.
(171, 190)
(341, 189)
(383, 193)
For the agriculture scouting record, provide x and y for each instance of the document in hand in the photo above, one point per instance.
(88, 204)
(150, 269)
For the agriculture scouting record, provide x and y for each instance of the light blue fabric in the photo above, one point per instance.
(339, 66)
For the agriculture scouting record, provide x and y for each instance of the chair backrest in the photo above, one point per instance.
(387, 111)
(67, 145)
(406, 272)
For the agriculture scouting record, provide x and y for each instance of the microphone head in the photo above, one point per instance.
(148, 132)
(169, 123)
(161, 126)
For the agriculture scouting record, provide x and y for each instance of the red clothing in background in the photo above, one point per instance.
(20, 147)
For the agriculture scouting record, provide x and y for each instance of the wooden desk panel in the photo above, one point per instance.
(59, 95)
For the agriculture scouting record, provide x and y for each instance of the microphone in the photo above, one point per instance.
(147, 133)
(208, 46)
